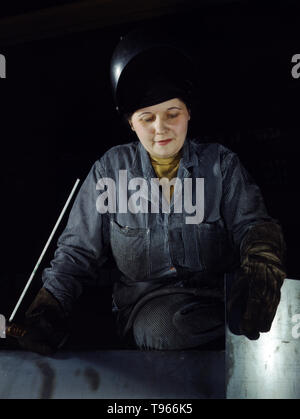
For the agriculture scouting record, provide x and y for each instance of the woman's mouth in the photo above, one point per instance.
(164, 142)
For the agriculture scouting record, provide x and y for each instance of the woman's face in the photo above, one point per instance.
(162, 128)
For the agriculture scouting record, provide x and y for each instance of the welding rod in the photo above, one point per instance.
(44, 251)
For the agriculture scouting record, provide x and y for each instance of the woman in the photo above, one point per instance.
(172, 262)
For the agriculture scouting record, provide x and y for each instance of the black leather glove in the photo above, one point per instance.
(46, 325)
(257, 287)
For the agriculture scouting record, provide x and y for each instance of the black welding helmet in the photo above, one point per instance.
(149, 68)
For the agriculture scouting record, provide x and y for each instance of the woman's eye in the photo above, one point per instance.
(152, 118)
(148, 119)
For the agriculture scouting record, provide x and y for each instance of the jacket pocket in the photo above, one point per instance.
(130, 248)
(215, 246)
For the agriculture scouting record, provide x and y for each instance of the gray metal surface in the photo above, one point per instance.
(268, 368)
(124, 374)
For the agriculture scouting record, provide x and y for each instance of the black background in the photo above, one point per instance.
(57, 117)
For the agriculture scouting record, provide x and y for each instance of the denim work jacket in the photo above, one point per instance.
(150, 248)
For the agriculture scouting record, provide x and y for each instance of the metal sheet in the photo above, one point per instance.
(268, 368)
(124, 374)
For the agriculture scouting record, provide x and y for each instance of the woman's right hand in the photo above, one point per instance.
(46, 327)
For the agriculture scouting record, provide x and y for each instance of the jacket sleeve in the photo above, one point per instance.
(82, 247)
(242, 202)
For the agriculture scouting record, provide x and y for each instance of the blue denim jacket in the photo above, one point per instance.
(154, 248)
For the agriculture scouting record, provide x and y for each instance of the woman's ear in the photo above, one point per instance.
(130, 124)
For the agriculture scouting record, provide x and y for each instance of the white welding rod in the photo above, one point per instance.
(44, 251)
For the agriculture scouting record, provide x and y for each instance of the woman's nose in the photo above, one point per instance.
(160, 126)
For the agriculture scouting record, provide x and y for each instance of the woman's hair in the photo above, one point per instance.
(127, 116)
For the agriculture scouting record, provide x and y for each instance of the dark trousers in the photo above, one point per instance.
(179, 321)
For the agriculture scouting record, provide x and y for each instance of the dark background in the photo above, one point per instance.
(57, 114)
